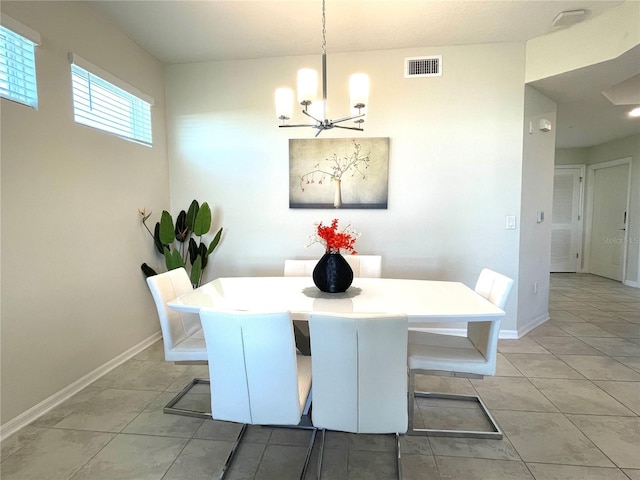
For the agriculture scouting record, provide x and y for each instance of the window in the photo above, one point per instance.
(104, 102)
(18, 63)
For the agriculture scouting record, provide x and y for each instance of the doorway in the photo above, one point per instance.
(607, 206)
(566, 223)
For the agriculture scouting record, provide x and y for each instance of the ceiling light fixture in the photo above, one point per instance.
(635, 112)
(307, 93)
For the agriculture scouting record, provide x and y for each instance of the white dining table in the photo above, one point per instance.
(422, 301)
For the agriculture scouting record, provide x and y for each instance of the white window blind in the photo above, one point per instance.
(18, 63)
(102, 104)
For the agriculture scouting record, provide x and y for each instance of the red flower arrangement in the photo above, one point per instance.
(334, 240)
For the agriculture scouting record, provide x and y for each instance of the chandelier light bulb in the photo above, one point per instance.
(307, 86)
(284, 103)
(359, 90)
(635, 112)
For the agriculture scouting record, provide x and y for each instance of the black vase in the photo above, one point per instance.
(333, 273)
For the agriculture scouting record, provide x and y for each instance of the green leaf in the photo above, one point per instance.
(172, 259)
(196, 273)
(203, 220)
(177, 259)
(181, 230)
(191, 214)
(202, 253)
(156, 238)
(167, 258)
(215, 241)
(193, 250)
(166, 228)
(147, 270)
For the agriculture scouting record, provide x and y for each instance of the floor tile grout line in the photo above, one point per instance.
(594, 444)
(115, 435)
(593, 383)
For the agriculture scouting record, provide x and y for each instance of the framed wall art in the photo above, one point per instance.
(339, 173)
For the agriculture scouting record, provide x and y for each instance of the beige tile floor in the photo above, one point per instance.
(567, 396)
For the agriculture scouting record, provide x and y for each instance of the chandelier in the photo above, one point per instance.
(317, 110)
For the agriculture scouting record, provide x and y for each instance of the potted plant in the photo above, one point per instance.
(177, 243)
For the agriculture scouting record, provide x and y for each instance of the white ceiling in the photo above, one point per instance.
(182, 31)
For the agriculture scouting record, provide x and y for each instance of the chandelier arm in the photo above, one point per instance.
(311, 116)
(349, 128)
(340, 120)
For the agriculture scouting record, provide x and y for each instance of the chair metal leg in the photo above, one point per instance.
(309, 450)
(303, 425)
(236, 445)
(320, 454)
(307, 406)
(233, 451)
(171, 408)
(495, 433)
(398, 457)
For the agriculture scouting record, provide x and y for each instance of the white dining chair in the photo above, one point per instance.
(472, 356)
(365, 266)
(259, 379)
(359, 365)
(299, 268)
(182, 334)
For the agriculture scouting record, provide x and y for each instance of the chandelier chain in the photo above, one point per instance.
(324, 30)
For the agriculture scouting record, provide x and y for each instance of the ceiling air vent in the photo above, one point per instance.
(423, 66)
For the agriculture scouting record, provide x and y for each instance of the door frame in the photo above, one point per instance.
(589, 212)
(582, 167)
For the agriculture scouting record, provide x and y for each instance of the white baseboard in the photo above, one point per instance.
(509, 335)
(629, 283)
(504, 333)
(57, 398)
(536, 322)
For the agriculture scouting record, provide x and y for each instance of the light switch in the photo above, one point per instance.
(540, 216)
(511, 222)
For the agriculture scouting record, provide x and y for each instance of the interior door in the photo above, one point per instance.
(609, 216)
(566, 224)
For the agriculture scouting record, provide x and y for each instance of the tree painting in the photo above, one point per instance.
(338, 173)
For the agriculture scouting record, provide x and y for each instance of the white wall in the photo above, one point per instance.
(614, 150)
(537, 196)
(73, 296)
(572, 156)
(454, 166)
